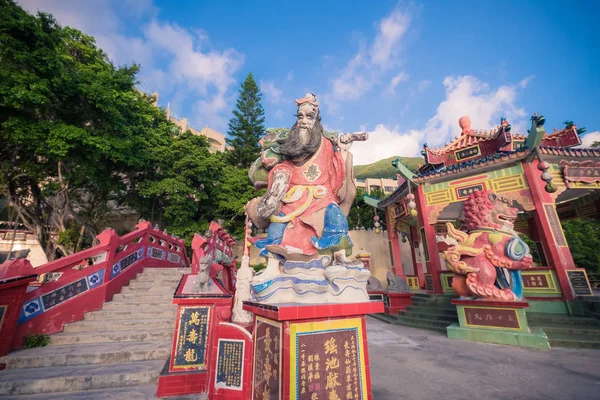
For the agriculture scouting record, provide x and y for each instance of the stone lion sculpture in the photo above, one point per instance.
(488, 259)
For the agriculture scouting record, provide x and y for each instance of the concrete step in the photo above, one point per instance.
(572, 341)
(162, 290)
(146, 284)
(429, 315)
(593, 314)
(143, 297)
(120, 325)
(539, 319)
(589, 331)
(424, 322)
(445, 310)
(136, 335)
(98, 353)
(138, 306)
(130, 393)
(105, 315)
(413, 324)
(166, 271)
(78, 377)
(387, 318)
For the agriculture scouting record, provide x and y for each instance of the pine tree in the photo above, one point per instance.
(247, 125)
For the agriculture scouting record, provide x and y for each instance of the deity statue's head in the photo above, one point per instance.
(304, 138)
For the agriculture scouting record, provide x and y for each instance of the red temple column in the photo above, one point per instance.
(393, 244)
(417, 268)
(558, 254)
(432, 258)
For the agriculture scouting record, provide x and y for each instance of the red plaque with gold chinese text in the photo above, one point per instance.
(492, 317)
(267, 360)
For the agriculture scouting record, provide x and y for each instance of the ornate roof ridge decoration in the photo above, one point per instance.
(473, 164)
(570, 152)
(466, 139)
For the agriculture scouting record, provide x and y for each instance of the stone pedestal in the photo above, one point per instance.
(303, 350)
(395, 302)
(195, 340)
(12, 292)
(496, 322)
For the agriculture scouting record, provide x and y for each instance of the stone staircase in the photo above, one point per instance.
(116, 352)
(567, 331)
(428, 311)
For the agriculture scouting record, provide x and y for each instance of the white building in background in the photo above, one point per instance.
(386, 185)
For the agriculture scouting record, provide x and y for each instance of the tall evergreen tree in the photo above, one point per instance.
(247, 125)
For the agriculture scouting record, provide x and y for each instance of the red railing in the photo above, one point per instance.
(69, 287)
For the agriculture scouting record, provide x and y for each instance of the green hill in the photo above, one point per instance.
(384, 169)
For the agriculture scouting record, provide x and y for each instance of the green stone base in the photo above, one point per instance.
(548, 307)
(536, 338)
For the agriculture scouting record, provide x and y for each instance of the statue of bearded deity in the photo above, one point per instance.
(309, 178)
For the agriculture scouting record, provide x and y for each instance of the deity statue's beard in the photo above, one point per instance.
(297, 147)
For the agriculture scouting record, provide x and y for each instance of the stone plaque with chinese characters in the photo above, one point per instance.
(579, 282)
(230, 364)
(536, 281)
(65, 293)
(327, 365)
(267, 360)
(192, 338)
(469, 152)
(555, 227)
(492, 317)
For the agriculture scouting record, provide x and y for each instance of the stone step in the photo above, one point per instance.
(591, 332)
(417, 324)
(572, 341)
(424, 322)
(104, 315)
(433, 308)
(78, 377)
(537, 318)
(387, 318)
(97, 353)
(156, 280)
(166, 271)
(138, 306)
(118, 393)
(429, 315)
(119, 325)
(145, 284)
(162, 290)
(143, 297)
(593, 314)
(137, 335)
(432, 300)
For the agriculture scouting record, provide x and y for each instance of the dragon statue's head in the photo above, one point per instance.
(486, 209)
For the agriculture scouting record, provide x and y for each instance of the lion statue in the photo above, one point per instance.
(489, 257)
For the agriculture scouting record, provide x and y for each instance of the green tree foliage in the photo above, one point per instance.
(583, 236)
(247, 125)
(361, 214)
(73, 127)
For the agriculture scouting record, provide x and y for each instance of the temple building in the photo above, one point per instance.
(547, 175)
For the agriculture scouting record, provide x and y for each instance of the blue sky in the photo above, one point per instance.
(404, 71)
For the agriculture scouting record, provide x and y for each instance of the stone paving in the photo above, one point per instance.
(410, 363)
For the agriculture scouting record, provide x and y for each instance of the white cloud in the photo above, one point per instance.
(423, 86)
(401, 77)
(589, 138)
(525, 81)
(386, 142)
(368, 66)
(465, 95)
(269, 89)
(173, 60)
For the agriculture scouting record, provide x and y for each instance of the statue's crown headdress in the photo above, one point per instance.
(309, 100)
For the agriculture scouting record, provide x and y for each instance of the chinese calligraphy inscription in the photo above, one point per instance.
(230, 364)
(267, 360)
(192, 338)
(328, 365)
(492, 317)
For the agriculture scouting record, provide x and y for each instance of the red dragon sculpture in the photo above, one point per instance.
(489, 257)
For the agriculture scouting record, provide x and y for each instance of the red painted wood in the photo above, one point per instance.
(392, 235)
(433, 265)
(485, 303)
(294, 312)
(12, 292)
(559, 258)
